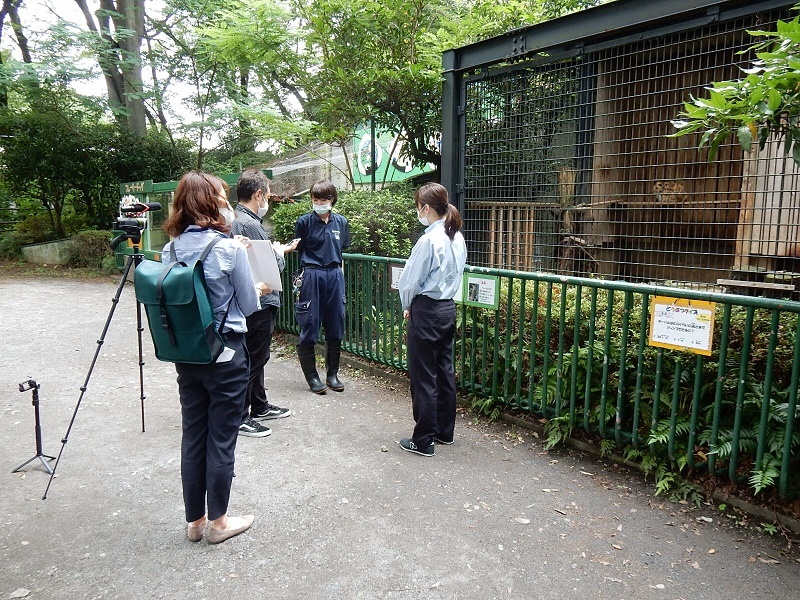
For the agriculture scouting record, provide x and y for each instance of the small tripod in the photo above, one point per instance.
(24, 387)
(132, 232)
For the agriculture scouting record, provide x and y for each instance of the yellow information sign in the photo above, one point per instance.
(682, 324)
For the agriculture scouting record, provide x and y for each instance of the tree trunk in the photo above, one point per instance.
(120, 60)
(16, 25)
(133, 21)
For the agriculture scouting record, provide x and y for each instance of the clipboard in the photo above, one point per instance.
(263, 264)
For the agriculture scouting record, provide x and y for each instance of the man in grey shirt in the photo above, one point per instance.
(252, 192)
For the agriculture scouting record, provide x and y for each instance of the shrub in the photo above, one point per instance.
(10, 246)
(90, 249)
(35, 229)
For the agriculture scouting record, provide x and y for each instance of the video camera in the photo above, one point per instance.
(131, 220)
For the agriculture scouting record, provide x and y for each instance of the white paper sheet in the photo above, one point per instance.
(263, 264)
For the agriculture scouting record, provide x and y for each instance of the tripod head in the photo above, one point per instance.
(28, 385)
(131, 230)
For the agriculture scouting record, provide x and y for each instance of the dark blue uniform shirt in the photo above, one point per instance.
(321, 243)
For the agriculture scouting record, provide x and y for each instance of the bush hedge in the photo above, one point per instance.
(90, 249)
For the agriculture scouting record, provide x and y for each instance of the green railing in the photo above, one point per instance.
(575, 350)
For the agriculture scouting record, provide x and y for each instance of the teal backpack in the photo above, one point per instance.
(179, 311)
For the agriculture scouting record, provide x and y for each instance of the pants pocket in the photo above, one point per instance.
(301, 310)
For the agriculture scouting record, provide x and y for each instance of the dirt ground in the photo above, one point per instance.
(341, 511)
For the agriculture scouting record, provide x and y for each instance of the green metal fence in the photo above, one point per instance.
(575, 350)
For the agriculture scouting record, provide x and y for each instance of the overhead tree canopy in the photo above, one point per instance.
(232, 76)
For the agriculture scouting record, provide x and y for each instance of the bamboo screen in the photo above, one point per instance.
(568, 167)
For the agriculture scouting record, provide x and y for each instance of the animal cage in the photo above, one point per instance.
(556, 149)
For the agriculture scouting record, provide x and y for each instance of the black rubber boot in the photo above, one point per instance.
(308, 362)
(333, 351)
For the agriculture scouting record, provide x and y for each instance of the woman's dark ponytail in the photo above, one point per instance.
(452, 221)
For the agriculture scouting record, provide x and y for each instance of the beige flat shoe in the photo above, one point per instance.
(195, 532)
(236, 525)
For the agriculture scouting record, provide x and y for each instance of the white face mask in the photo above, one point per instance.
(321, 209)
(423, 220)
(228, 215)
(262, 210)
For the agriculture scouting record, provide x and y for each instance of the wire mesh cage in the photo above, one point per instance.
(567, 165)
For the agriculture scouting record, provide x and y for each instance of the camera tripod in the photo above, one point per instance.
(134, 234)
(24, 387)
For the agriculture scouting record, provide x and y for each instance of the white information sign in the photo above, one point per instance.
(682, 324)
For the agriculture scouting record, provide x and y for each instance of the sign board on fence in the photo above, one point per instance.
(682, 324)
(395, 270)
(481, 290)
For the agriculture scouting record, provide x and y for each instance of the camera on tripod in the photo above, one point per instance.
(132, 220)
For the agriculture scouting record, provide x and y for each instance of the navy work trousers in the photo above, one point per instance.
(321, 302)
(260, 328)
(431, 328)
(212, 397)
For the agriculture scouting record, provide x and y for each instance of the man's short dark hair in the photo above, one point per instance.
(251, 181)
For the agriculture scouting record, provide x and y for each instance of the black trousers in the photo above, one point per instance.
(431, 328)
(260, 328)
(321, 302)
(212, 397)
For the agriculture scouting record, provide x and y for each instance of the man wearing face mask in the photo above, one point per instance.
(252, 192)
(323, 235)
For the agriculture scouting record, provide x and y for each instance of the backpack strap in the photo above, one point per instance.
(207, 249)
(160, 296)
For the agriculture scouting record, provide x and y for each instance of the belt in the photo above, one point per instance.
(333, 266)
(429, 299)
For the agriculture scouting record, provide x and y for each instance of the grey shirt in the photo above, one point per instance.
(249, 225)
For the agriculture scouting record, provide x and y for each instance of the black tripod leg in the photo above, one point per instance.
(114, 302)
(139, 330)
(41, 457)
(137, 259)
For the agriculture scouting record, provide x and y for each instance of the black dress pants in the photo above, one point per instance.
(260, 328)
(212, 397)
(431, 328)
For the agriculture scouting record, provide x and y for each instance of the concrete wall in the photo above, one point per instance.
(48, 253)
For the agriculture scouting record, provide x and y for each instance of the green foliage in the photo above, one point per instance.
(90, 249)
(486, 406)
(762, 105)
(33, 230)
(557, 431)
(382, 223)
(10, 246)
(769, 528)
(64, 165)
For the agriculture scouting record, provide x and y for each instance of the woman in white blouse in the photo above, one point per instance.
(431, 278)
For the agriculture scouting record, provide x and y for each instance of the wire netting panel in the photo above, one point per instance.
(568, 166)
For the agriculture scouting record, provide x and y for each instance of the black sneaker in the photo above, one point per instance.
(250, 428)
(439, 440)
(272, 412)
(408, 445)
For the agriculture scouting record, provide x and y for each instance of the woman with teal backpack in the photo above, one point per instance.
(212, 395)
